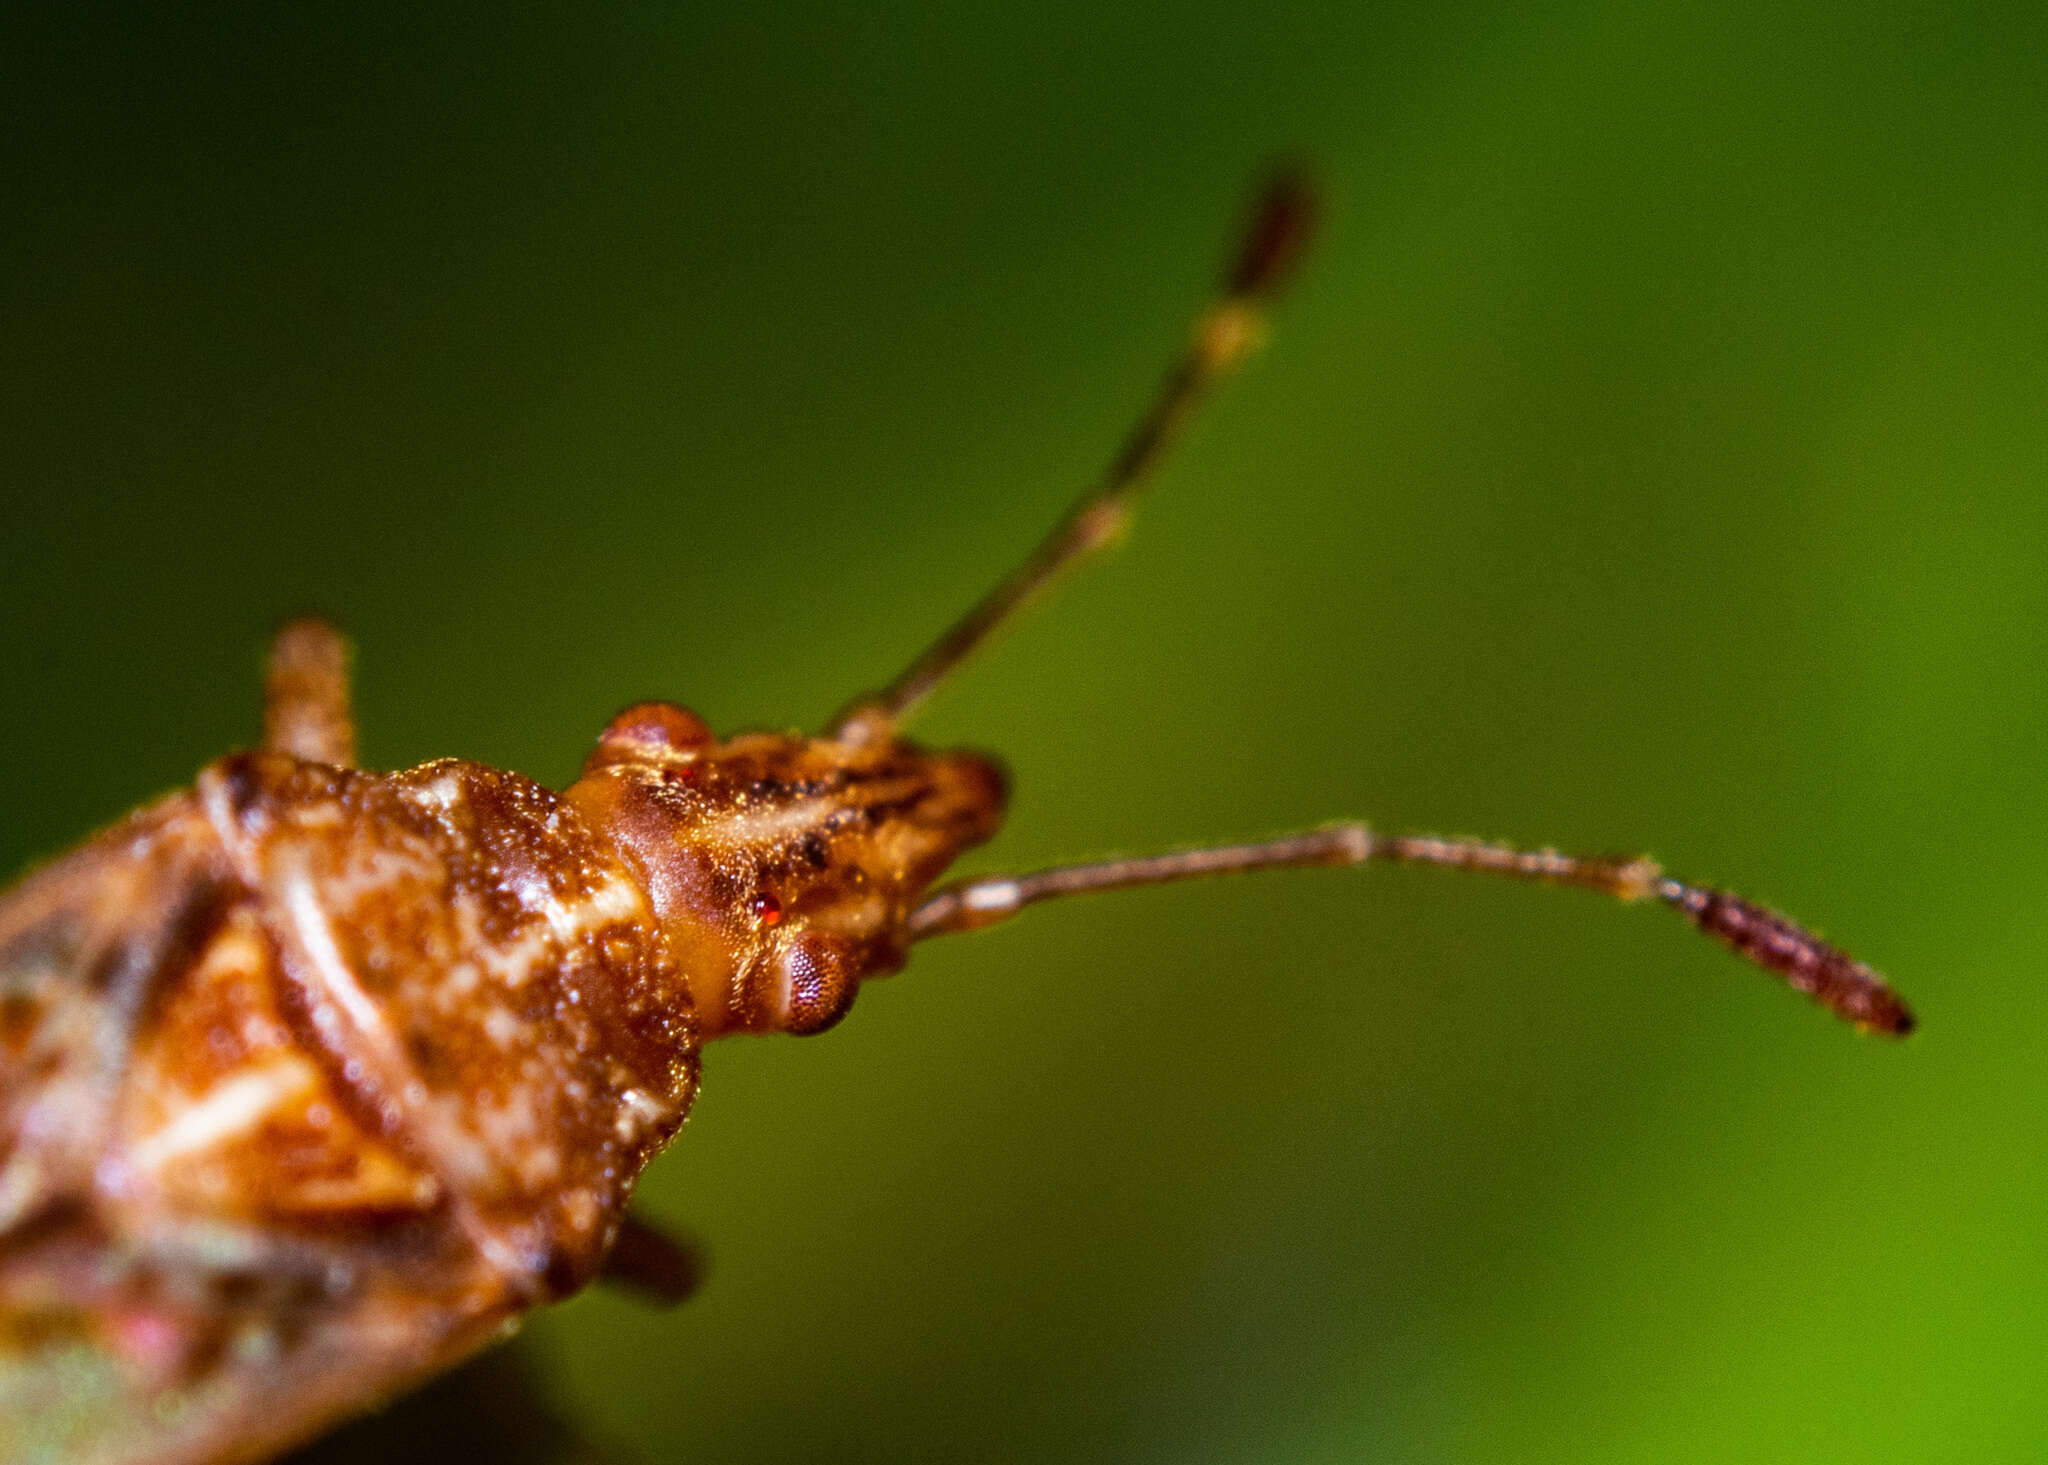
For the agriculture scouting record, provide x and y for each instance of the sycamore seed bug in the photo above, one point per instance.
(313, 1079)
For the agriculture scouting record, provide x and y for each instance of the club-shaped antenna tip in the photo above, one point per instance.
(1283, 220)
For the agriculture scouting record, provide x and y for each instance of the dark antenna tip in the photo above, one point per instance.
(1282, 222)
(1833, 978)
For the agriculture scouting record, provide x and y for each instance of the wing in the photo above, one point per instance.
(204, 1257)
(83, 944)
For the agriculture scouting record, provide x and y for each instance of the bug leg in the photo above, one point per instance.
(306, 694)
(1224, 336)
(1831, 977)
(653, 1265)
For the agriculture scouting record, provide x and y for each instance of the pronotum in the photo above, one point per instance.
(313, 1079)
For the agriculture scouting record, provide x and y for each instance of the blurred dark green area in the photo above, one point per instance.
(1654, 454)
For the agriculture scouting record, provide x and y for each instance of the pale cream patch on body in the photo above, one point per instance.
(337, 982)
(639, 1113)
(228, 1110)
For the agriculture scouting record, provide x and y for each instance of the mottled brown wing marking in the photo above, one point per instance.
(172, 1288)
(225, 1114)
(311, 1084)
(84, 946)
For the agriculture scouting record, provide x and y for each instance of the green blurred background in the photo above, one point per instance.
(1655, 454)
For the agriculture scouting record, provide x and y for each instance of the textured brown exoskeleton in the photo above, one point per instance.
(313, 1080)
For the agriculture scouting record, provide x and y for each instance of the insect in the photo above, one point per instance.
(313, 1080)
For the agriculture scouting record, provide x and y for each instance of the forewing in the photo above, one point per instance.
(176, 1285)
(83, 944)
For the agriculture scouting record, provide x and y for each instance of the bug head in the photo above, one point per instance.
(783, 869)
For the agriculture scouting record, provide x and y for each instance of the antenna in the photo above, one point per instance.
(1840, 983)
(1224, 335)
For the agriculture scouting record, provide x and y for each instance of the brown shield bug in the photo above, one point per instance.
(313, 1080)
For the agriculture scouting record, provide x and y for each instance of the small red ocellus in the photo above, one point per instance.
(313, 1080)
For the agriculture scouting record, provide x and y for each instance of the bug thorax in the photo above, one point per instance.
(782, 869)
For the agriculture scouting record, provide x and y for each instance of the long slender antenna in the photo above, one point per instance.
(1831, 977)
(1223, 336)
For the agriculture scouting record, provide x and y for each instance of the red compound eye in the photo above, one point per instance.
(766, 908)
